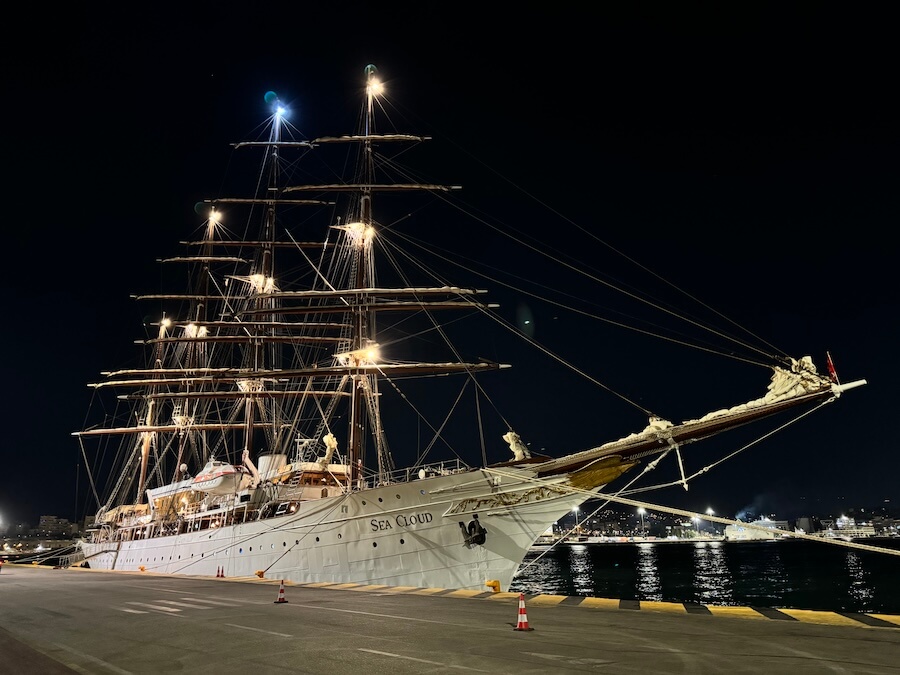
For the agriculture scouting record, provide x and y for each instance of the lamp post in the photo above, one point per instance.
(641, 512)
(710, 512)
(575, 511)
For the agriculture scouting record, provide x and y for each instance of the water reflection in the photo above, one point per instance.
(805, 575)
(712, 579)
(582, 569)
(648, 585)
(543, 572)
(860, 590)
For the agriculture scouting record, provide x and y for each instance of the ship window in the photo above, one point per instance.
(374, 544)
(398, 496)
(340, 535)
(364, 502)
(402, 541)
(380, 499)
(317, 539)
(240, 550)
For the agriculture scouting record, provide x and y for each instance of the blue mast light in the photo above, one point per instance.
(278, 108)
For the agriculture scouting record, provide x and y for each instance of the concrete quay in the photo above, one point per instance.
(58, 621)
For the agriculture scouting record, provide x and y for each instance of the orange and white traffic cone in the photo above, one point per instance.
(523, 617)
(281, 593)
(218, 572)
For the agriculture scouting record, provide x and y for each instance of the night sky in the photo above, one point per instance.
(748, 156)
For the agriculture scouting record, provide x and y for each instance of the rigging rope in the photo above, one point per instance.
(690, 514)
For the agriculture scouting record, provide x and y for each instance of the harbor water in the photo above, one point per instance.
(789, 573)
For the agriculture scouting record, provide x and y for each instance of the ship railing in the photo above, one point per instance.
(408, 474)
(73, 558)
(208, 505)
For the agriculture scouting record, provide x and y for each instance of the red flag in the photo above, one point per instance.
(831, 370)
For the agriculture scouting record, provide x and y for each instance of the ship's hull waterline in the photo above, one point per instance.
(407, 534)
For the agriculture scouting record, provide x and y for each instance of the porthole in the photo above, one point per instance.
(340, 535)
(364, 502)
(397, 496)
(284, 543)
(380, 499)
(317, 539)
(296, 541)
(402, 541)
(374, 544)
(241, 549)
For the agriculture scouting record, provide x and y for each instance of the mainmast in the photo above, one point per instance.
(361, 234)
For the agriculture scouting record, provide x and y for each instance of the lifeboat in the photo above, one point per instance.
(218, 478)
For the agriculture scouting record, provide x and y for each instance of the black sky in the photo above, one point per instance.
(747, 153)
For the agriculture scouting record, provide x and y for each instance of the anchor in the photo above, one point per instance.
(473, 534)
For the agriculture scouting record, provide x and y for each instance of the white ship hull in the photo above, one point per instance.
(406, 534)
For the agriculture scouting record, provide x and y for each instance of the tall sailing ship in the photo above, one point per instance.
(254, 439)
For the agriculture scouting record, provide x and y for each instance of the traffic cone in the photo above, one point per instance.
(218, 572)
(281, 593)
(523, 617)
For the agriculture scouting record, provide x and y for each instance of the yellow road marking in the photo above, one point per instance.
(463, 593)
(603, 603)
(890, 618)
(547, 599)
(428, 591)
(672, 607)
(828, 618)
(739, 612)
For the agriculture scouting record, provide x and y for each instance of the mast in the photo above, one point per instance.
(262, 281)
(361, 236)
(150, 421)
